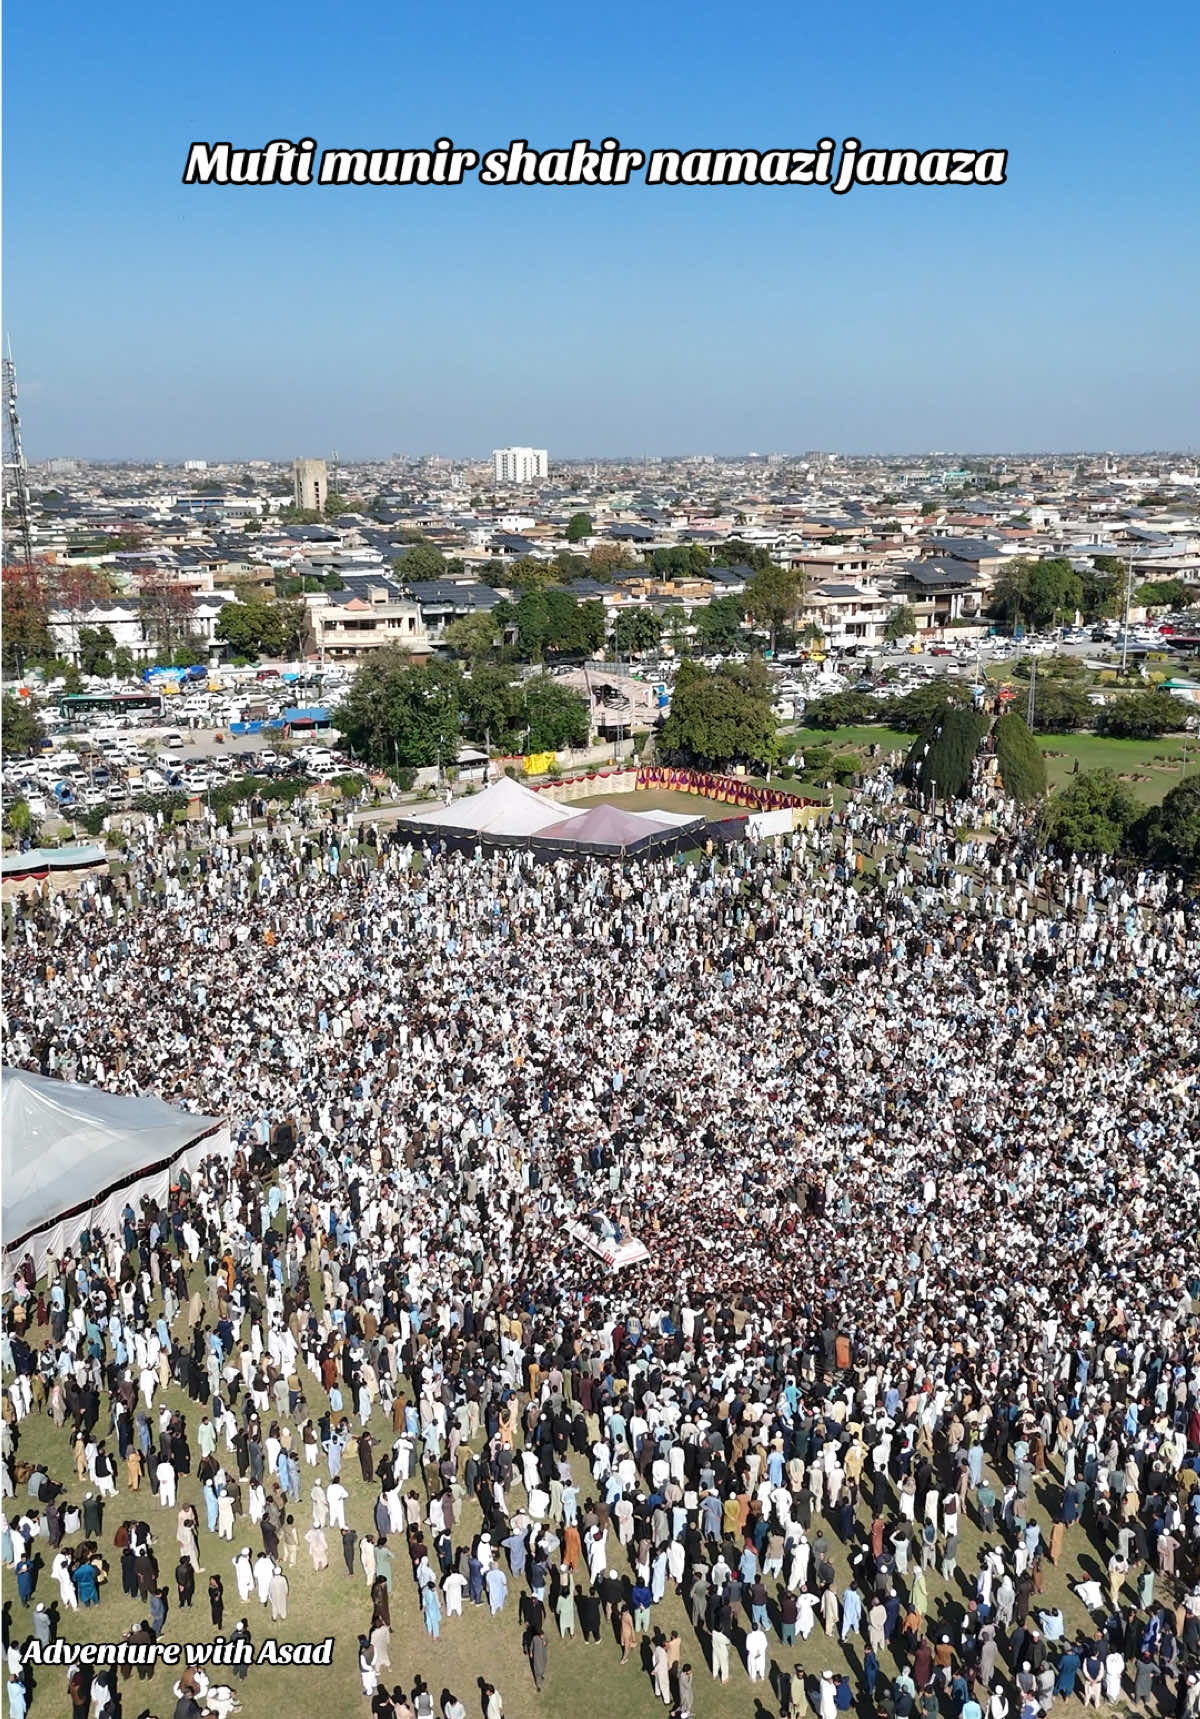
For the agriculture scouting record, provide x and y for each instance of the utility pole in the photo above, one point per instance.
(16, 475)
(1032, 685)
(1128, 600)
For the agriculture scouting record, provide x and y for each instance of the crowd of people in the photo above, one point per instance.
(906, 1120)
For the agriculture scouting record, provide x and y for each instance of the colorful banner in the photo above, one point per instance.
(730, 790)
(538, 763)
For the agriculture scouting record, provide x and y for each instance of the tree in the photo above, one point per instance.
(841, 710)
(123, 665)
(941, 759)
(900, 624)
(254, 627)
(166, 609)
(95, 643)
(398, 714)
(1162, 594)
(720, 716)
(772, 597)
(1170, 834)
(23, 732)
(928, 508)
(1092, 815)
(605, 558)
(736, 553)
(636, 631)
(681, 561)
(335, 504)
(1141, 716)
(556, 715)
(25, 602)
(420, 560)
(471, 637)
(1022, 766)
(493, 708)
(1059, 709)
(1103, 588)
(916, 709)
(719, 624)
(579, 525)
(1036, 591)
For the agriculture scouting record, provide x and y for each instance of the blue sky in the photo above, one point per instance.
(150, 319)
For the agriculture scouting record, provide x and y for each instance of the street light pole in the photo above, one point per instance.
(1128, 599)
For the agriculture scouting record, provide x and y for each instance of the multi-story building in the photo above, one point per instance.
(310, 484)
(518, 465)
(370, 613)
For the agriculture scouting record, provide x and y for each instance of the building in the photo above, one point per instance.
(518, 465)
(370, 613)
(310, 485)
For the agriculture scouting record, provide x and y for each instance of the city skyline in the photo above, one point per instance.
(152, 320)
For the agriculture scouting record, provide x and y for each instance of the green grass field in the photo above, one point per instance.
(1151, 768)
(853, 739)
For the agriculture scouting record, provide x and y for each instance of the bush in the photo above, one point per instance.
(940, 761)
(168, 804)
(787, 771)
(845, 767)
(816, 760)
(92, 819)
(1022, 767)
(1141, 716)
(1061, 709)
(406, 779)
(350, 785)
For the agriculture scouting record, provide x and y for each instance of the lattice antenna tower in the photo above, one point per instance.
(16, 478)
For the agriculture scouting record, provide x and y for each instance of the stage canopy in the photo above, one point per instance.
(611, 827)
(507, 808)
(74, 1156)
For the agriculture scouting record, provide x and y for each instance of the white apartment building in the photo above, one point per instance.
(518, 465)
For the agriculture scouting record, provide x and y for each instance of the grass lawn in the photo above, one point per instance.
(1151, 767)
(658, 800)
(856, 739)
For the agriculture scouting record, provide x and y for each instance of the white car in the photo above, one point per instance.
(174, 741)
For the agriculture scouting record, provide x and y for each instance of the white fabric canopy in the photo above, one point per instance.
(507, 808)
(75, 1156)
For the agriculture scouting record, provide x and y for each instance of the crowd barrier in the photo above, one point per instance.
(732, 790)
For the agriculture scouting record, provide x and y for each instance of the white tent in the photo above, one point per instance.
(507, 808)
(75, 1156)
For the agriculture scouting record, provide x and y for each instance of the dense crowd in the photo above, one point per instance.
(906, 1120)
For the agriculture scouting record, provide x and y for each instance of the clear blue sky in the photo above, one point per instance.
(150, 319)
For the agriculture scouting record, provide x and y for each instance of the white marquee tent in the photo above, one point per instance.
(74, 1156)
(507, 808)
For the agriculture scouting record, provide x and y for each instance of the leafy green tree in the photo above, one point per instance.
(719, 624)
(1162, 594)
(472, 637)
(1059, 709)
(940, 760)
(1103, 588)
(736, 553)
(335, 504)
(1141, 716)
(1092, 815)
(556, 715)
(526, 574)
(676, 632)
(19, 821)
(636, 632)
(1022, 765)
(493, 708)
(23, 732)
(95, 643)
(841, 710)
(928, 508)
(772, 597)
(1170, 834)
(720, 716)
(900, 624)
(579, 525)
(421, 560)
(924, 704)
(123, 663)
(1037, 592)
(188, 656)
(397, 713)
